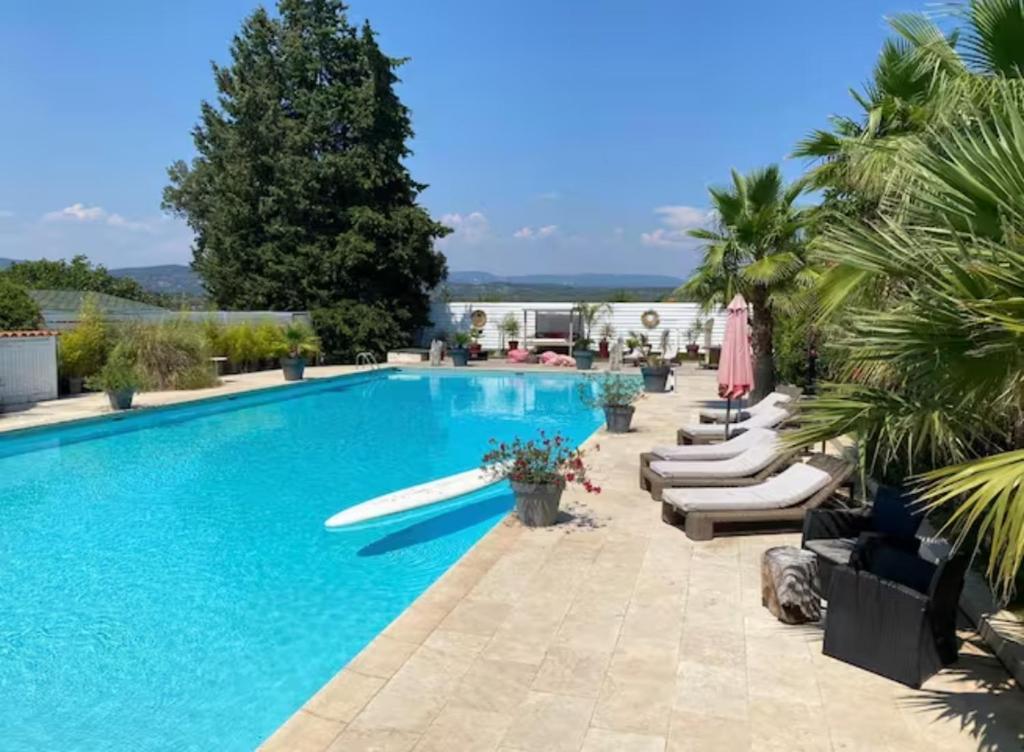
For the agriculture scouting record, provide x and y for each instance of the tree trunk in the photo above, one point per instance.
(762, 329)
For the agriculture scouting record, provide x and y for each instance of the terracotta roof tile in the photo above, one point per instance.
(30, 333)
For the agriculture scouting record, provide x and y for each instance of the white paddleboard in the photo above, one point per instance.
(413, 497)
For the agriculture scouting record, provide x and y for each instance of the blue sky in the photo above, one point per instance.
(555, 136)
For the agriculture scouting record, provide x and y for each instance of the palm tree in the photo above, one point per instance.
(934, 376)
(756, 250)
(922, 75)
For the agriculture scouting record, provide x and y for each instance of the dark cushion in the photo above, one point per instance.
(895, 514)
(890, 559)
(836, 550)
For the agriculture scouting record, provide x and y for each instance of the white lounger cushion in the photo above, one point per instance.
(723, 451)
(768, 418)
(793, 485)
(749, 462)
(718, 414)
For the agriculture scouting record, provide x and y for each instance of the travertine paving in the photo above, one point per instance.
(613, 632)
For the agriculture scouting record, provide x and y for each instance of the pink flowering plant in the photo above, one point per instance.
(546, 459)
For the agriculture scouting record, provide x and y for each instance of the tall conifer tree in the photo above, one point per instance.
(299, 197)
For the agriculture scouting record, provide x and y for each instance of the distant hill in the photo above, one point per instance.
(180, 280)
(172, 279)
(613, 281)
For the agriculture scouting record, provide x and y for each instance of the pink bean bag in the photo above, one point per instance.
(550, 358)
(518, 356)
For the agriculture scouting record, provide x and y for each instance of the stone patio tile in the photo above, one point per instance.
(634, 704)
(787, 725)
(660, 621)
(494, 686)
(643, 658)
(695, 732)
(585, 630)
(344, 695)
(604, 740)
(708, 690)
(571, 671)
(549, 723)
(476, 616)
(383, 657)
(303, 732)
(416, 623)
(713, 647)
(374, 740)
(528, 645)
(464, 729)
(402, 707)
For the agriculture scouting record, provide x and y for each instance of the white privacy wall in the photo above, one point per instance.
(677, 318)
(28, 369)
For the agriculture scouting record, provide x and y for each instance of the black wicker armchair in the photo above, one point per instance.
(898, 620)
(832, 534)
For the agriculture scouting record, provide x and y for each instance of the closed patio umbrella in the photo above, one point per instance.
(735, 370)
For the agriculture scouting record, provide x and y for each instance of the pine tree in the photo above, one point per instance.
(299, 197)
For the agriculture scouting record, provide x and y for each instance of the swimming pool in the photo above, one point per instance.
(167, 582)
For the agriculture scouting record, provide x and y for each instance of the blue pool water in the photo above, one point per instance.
(166, 582)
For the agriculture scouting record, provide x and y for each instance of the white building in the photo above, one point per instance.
(28, 367)
(543, 325)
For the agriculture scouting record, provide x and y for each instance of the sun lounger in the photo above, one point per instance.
(704, 433)
(707, 452)
(719, 415)
(751, 466)
(783, 499)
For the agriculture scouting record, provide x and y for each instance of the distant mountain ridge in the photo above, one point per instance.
(179, 279)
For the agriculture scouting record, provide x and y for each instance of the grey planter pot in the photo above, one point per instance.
(293, 368)
(584, 359)
(537, 503)
(618, 417)
(460, 356)
(75, 384)
(655, 378)
(121, 399)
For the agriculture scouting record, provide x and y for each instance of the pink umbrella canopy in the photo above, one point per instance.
(735, 369)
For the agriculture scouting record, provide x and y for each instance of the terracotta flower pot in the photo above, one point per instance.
(537, 503)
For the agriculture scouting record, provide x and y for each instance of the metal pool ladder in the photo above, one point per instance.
(367, 359)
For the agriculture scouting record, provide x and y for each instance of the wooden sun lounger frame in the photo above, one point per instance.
(684, 437)
(656, 484)
(794, 392)
(700, 526)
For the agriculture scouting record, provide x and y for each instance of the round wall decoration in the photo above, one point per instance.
(478, 318)
(650, 319)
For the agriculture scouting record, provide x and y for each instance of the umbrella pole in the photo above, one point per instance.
(728, 406)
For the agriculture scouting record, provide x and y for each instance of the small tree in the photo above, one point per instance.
(17, 308)
(84, 349)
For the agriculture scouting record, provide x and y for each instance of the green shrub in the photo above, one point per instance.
(17, 308)
(296, 340)
(84, 349)
(349, 329)
(610, 390)
(119, 372)
(170, 355)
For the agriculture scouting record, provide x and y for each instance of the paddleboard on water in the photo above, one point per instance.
(413, 497)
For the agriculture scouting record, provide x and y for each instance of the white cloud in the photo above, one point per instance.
(6, 214)
(531, 233)
(79, 212)
(468, 228)
(677, 221)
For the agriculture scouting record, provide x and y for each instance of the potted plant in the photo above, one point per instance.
(692, 348)
(510, 328)
(295, 342)
(538, 470)
(607, 335)
(615, 394)
(656, 371)
(119, 378)
(474, 343)
(588, 313)
(459, 353)
(583, 354)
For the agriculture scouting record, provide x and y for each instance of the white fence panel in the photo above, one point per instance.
(28, 369)
(674, 318)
